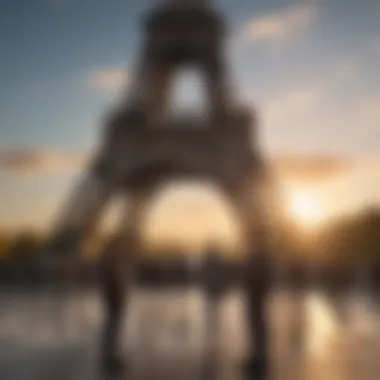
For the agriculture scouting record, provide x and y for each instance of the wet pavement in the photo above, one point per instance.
(315, 337)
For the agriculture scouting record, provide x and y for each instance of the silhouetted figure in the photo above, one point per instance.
(257, 289)
(114, 292)
(213, 279)
(213, 284)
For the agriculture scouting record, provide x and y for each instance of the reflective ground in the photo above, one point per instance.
(314, 336)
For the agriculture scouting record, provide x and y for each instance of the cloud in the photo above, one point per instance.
(108, 79)
(280, 25)
(26, 162)
(32, 162)
(311, 168)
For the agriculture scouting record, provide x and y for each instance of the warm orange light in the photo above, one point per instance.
(306, 209)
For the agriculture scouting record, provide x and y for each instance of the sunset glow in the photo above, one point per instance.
(315, 93)
(306, 209)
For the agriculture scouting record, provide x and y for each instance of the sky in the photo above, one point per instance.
(311, 69)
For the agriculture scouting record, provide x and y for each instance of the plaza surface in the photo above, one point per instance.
(54, 336)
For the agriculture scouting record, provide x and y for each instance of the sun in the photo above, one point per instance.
(305, 209)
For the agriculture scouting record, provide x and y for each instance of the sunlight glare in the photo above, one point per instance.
(323, 323)
(306, 209)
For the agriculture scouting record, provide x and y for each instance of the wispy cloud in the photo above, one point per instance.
(282, 24)
(311, 168)
(32, 162)
(108, 79)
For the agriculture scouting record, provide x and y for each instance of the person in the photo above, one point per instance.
(212, 275)
(213, 283)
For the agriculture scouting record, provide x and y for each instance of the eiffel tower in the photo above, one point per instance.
(143, 146)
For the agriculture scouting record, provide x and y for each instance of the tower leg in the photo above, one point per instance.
(217, 88)
(256, 290)
(250, 203)
(113, 297)
(116, 267)
(82, 210)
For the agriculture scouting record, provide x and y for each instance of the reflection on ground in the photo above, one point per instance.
(313, 336)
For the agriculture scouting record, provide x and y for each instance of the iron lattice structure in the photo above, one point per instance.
(143, 146)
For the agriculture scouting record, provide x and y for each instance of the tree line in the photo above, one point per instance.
(347, 241)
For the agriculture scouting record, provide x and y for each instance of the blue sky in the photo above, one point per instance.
(311, 68)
